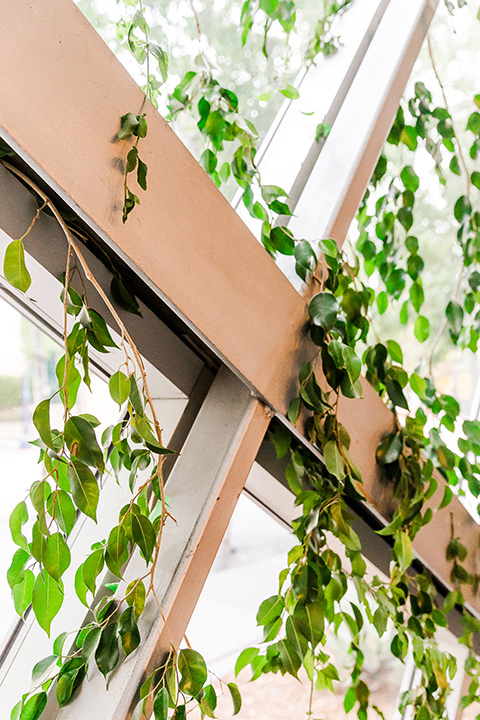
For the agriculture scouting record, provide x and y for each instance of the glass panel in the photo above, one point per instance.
(244, 574)
(27, 375)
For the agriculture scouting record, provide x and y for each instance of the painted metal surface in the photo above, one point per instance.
(204, 487)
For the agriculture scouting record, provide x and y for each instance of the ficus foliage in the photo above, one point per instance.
(312, 595)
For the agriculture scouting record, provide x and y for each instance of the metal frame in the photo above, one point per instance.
(204, 280)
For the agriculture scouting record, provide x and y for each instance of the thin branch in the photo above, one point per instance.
(444, 324)
(89, 275)
(197, 21)
(37, 215)
(445, 101)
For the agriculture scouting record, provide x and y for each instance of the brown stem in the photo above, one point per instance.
(37, 215)
(197, 21)
(73, 247)
(65, 331)
(442, 88)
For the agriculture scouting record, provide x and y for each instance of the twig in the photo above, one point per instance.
(444, 324)
(197, 21)
(89, 275)
(442, 88)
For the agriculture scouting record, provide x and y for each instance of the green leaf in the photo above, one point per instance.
(403, 551)
(395, 393)
(60, 506)
(15, 571)
(143, 429)
(84, 488)
(72, 380)
(389, 448)
(334, 461)
(328, 247)
(117, 542)
(462, 208)
(446, 457)
(22, 592)
(208, 160)
(193, 672)
(119, 386)
(14, 268)
(296, 639)
(135, 596)
(92, 567)
(70, 677)
(37, 546)
(322, 131)
(410, 179)
(422, 328)
(382, 302)
(128, 631)
(475, 178)
(236, 697)
(268, 6)
(162, 59)
(409, 137)
(306, 260)
(282, 440)
(455, 314)
(18, 518)
(128, 125)
(132, 158)
(282, 240)
(123, 297)
(380, 619)
(41, 420)
(56, 557)
(290, 92)
(294, 410)
(405, 218)
(142, 174)
(58, 644)
(42, 669)
(81, 588)
(309, 620)
(270, 610)
(215, 125)
(395, 351)
(323, 310)
(245, 658)
(160, 705)
(349, 700)
(418, 384)
(473, 123)
(290, 660)
(82, 442)
(34, 707)
(353, 364)
(47, 599)
(144, 535)
(107, 653)
(447, 497)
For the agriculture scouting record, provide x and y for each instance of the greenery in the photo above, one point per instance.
(430, 443)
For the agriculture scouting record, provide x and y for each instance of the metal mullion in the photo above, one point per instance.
(334, 188)
(289, 150)
(204, 487)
